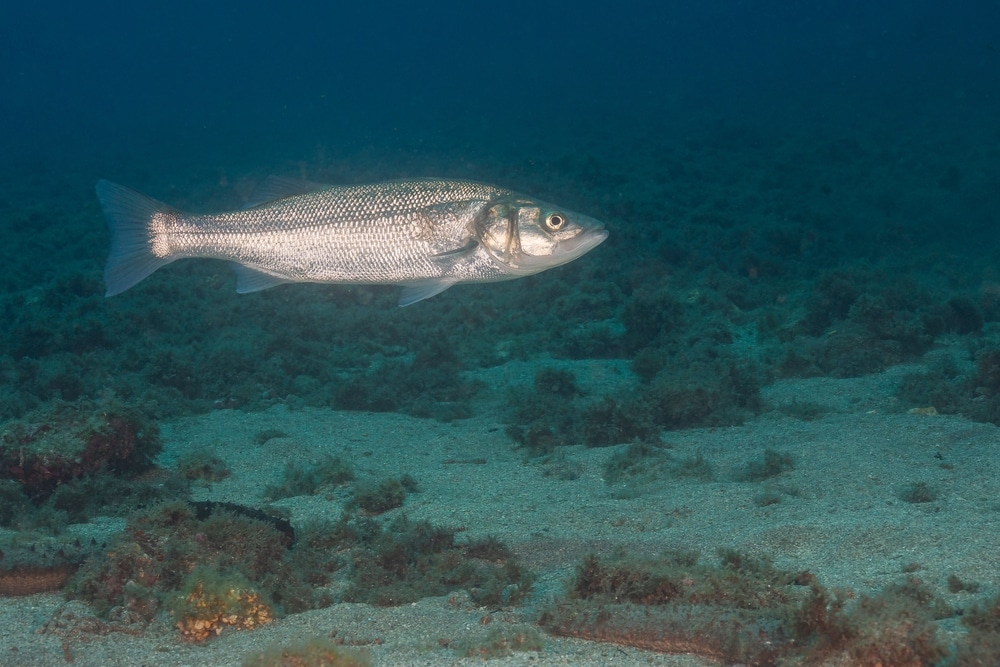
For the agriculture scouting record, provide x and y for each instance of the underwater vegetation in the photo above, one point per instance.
(429, 385)
(215, 566)
(554, 412)
(41, 556)
(974, 393)
(66, 441)
(983, 642)
(653, 461)
(329, 472)
(500, 642)
(745, 611)
(208, 603)
(676, 605)
(917, 492)
(30, 579)
(149, 564)
(644, 465)
(310, 478)
(201, 464)
(65, 464)
(69, 462)
(862, 320)
(771, 464)
(379, 496)
(406, 561)
(79, 500)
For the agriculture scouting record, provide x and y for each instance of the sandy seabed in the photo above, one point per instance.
(846, 523)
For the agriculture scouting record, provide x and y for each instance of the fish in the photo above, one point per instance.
(424, 234)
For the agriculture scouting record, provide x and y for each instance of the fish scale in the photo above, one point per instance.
(423, 234)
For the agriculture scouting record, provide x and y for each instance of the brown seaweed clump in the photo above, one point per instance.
(66, 441)
(217, 566)
(151, 561)
(677, 605)
(744, 611)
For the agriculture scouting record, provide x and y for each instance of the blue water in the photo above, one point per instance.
(106, 80)
(144, 93)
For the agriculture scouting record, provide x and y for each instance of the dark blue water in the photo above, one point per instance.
(107, 80)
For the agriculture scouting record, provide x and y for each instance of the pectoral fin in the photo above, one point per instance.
(457, 253)
(424, 289)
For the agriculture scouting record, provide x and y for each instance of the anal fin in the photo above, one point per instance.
(252, 280)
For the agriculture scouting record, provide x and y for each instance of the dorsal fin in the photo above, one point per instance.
(279, 187)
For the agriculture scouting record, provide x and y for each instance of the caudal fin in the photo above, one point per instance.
(131, 257)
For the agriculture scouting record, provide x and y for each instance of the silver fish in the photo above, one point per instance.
(426, 235)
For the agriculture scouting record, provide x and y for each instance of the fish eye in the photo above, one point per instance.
(555, 221)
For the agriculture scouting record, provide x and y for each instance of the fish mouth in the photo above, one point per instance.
(580, 244)
(564, 252)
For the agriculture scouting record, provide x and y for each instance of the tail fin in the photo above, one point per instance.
(131, 257)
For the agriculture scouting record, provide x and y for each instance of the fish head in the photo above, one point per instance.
(525, 236)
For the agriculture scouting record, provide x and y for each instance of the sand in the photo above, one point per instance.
(840, 514)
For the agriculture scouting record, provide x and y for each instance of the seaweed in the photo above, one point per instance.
(500, 642)
(716, 392)
(772, 464)
(377, 497)
(201, 464)
(556, 382)
(611, 422)
(983, 619)
(540, 419)
(704, 393)
(67, 441)
(917, 492)
(14, 505)
(160, 546)
(745, 611)
(648, 316)
(307, 479)
(209, 602)
(956, 585)
(643, 466)
(731, 612)
(767, 497)
(429, 386)
(975, 394)
(79, 500)
(407, 560)
(217, 565)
